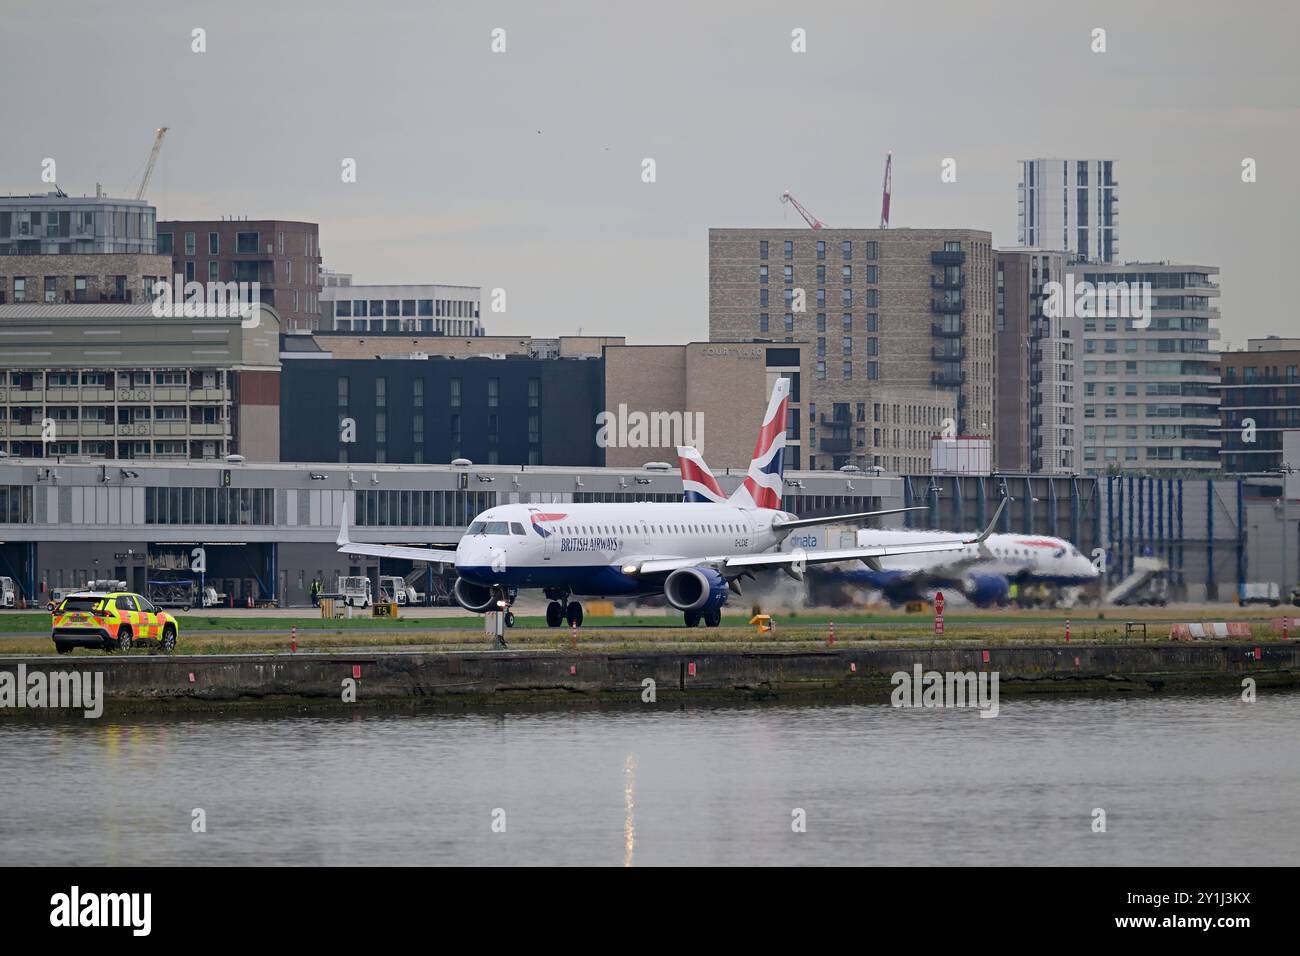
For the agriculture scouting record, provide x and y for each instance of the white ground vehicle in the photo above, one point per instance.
(394, 588)
(8, 593)
(354, 591)
(1261, 593)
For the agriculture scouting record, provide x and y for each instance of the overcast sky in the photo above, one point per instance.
(522, 170)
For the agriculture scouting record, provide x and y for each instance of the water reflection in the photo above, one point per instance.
(665, 785)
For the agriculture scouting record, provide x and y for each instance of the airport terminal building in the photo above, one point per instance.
(261, 532)
(266, 530)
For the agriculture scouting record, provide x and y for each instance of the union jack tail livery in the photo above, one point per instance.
(698, 483)
(762, 486)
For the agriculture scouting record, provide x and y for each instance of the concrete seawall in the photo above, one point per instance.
(477, 678)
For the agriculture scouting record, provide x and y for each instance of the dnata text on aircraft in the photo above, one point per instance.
(693, 553)
(982, 570)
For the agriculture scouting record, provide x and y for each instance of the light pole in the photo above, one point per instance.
(1280, 506)
(1255, 563)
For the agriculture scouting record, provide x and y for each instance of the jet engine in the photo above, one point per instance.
(474, 597)
(696, 589)
(986, 590)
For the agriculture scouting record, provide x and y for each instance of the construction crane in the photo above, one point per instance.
(808, 217)
(885, 190)
(153, 158)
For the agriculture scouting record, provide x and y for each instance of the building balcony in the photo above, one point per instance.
(87, 297)
(948, 379)
(947, 308)
(17, 396)
(1038, 332)
(948, 285)
(836, 445)
(209, 429)
(16, 430)
(1036, 377)
(1036, 442)
(948, 354)
(948, 257)
(1035, 464)
(209, 395)
(956, 330)
(1036, 420)
(86, 428)
(1036, 356)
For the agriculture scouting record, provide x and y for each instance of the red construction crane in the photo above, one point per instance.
(808, 217)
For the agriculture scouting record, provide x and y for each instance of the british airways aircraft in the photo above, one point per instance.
(982, 570)
(694, 554)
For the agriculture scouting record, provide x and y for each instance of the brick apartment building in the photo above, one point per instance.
(900, 323)
(282, 257)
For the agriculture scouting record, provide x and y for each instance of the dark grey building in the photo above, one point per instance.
(514, 410)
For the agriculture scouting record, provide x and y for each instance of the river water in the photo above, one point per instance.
(1194, 779)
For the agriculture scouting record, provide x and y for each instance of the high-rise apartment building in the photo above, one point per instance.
(1260, 401)
(1072, 205)
(1036, 373)
(899, 324)
(1151, 381)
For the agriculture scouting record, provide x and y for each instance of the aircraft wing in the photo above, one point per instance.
(780, 525)
(432, 555)
(796, 559)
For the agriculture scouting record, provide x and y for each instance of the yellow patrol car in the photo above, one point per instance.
(112, 620)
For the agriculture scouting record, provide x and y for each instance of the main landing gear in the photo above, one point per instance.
(562, 611)
(710, 618)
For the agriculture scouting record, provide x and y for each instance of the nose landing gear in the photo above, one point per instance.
(503, 599)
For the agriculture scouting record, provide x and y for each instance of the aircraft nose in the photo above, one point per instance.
(469, 554)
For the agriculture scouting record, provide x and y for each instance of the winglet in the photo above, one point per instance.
(342, 539)
(983, 535)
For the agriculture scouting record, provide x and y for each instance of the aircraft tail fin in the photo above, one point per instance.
(698, 483)
(765, 481)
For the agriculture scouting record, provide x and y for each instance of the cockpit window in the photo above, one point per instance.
(516, 528)
(492, 527)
